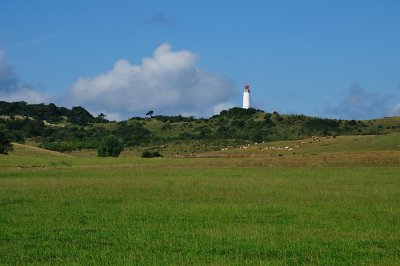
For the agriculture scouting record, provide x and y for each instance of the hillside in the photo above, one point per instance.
(61, 129)
(28, 150)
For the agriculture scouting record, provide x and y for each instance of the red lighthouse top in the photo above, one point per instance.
(246, 88)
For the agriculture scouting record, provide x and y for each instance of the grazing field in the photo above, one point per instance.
(331, 208)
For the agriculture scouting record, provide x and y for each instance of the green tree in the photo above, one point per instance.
(101, 118)
(5, 141)
(268, 120)
(150, 113)
(78, 115)
(110, 146)
(149, 154)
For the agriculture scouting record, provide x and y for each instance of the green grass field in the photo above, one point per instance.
(336, 204)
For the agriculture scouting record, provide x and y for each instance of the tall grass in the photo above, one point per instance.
(196, 211)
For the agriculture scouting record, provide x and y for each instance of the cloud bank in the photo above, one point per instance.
(160, 19)
(361, 104)
(12, 88)
(395, 110)
(168, 83)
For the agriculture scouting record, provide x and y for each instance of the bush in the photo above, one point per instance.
(110, 146)
(5, 141)
(132, 134)
(151, 154)
(238, 113)
(78, 115)
(323, 125)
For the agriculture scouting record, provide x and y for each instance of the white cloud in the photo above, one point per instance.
(395, 110)
(221, 106)
(361, 104)
(114, 117)
(168, 83)
(26, 94)
(13, 89)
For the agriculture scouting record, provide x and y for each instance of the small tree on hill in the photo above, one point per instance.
(150, 113)
(101, 118)
(5, 141)
(110, 146)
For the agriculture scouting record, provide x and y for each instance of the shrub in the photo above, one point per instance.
(133, 133)
(110, 146)
(151, 154)
(323, 125)
(5, 141)
(78, 115)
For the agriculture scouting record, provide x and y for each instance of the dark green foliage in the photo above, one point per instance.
(257, 135)
(323, 125)
(268, 120)
(50, 112)
(110, 146)
(5, 141)
(151, 154)
(150, 113)
(174, 119)
(352, 123)
(223, 132)
(187, 136)
(101, 118)
(72, 138)
(296, 118)
(24, 128)
(204, 132)
(238, 123)
(132, 133)
(136, 118)
(80, 116)
(277, 116)
(237, 112)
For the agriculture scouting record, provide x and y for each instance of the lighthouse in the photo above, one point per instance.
(246, 97)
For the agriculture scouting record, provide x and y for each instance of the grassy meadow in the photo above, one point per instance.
(335, 204)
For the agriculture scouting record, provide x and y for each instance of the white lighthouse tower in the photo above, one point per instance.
(246, 97)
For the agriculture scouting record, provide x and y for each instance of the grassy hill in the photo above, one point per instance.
(328, 202)
(28, 150)
(368, 150)
(214, 199)
(68, 130)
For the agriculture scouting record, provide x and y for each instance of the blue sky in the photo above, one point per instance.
(336, 59)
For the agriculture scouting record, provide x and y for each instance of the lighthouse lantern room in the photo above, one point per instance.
(246, 97)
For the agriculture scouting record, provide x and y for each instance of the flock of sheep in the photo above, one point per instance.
(312, 139)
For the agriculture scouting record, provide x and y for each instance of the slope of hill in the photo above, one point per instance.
(62, 129)
(320, 145)
(382, 150)
(24, 150)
